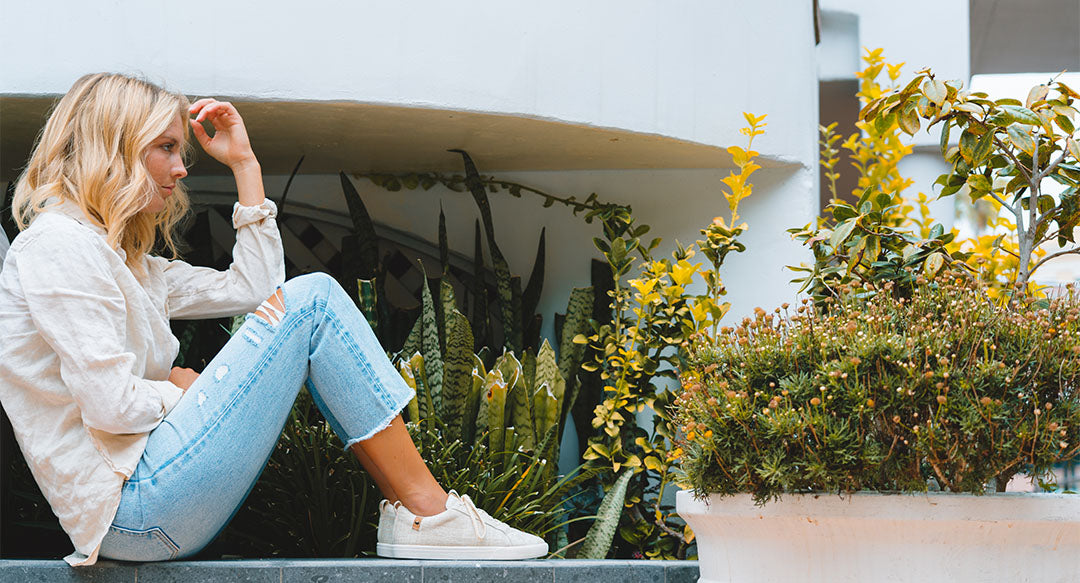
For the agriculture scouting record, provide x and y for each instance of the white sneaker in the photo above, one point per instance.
(461, 532)
(387, 513)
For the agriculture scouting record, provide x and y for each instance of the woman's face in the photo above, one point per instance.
(165, 164)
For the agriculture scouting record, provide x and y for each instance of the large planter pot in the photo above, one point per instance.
(885, 538)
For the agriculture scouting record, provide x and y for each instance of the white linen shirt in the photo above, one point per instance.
(86, 351)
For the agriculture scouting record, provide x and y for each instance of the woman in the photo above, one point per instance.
(145, 462)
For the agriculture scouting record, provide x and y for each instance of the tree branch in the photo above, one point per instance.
(1005, 204)
(1053, 165)
(1005, 149)
(1073, 251)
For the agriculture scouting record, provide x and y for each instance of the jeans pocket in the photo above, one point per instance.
(125, 544)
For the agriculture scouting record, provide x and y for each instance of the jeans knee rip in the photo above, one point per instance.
(272, 310)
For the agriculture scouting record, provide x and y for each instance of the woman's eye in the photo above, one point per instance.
(168, 147)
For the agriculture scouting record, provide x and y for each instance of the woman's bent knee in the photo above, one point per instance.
(317, 285)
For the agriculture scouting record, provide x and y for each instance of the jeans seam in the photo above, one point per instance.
(347, 340)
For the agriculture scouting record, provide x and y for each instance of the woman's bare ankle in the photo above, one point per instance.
(426, 503)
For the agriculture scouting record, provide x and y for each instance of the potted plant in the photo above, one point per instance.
(855, 437)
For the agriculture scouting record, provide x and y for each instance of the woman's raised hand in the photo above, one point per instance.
(230, 144)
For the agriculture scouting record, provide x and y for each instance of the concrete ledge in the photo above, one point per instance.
(341, 570)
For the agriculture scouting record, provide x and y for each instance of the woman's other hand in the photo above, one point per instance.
(183, 377)
(230, 144)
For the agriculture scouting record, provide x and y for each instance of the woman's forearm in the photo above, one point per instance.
(249, 183)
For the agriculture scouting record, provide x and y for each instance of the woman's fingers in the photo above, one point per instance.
(200, 132)
(230, 143)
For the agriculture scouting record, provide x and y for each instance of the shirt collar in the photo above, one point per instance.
(72, 210)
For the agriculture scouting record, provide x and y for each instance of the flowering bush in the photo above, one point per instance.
(873, 392)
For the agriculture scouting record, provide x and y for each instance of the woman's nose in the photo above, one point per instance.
(179, 171)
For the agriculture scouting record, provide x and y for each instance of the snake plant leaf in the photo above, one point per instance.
(548, 449)
(521, 413)
(479, 314)
(510, 368)
(598, 540)
(447, 306)
(444, 246)
(369, 301)
(518, 403)
(530, 298)
(413, 409)
(423, 388)
(359, 249)
(579, 309)
(545, 408)
(528, 368)
(546, 366)
(512, 335)
(473, 401)
(457, 374)
(495, 388)
(480, 421)
(546, 401)
(430, 346)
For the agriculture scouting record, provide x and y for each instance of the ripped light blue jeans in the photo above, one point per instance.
(203, 459)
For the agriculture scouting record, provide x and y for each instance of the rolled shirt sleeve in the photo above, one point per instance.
(80, 312)
(258, 267)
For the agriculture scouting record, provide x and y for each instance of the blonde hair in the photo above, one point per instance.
(91, 152)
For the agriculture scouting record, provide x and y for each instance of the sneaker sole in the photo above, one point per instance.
(449, 553)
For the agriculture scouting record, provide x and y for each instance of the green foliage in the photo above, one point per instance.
(1005, 152)
(517, 307)
(598, 541)
(493, 433)
(871, 235)
(873, 392)
(637, 355)
(514, 486)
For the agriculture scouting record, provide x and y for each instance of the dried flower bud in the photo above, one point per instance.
(941, 399)
(815, 401)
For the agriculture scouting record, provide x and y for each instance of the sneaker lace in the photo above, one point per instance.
(477, 516)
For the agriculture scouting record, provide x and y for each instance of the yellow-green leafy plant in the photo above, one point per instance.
(638, 355)
(873, 235)
(1007, 151)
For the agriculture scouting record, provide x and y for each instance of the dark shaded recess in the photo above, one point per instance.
(838, 102)
(591, 389)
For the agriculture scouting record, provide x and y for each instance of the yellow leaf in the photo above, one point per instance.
(1074, 149)
(739, 155)
(683, 272)
(654, 464)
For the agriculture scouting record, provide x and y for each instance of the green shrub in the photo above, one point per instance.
(874, 392)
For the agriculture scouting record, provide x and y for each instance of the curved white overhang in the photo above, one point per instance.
(359, 137)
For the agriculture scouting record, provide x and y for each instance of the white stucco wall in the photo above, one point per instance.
(678, 70)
